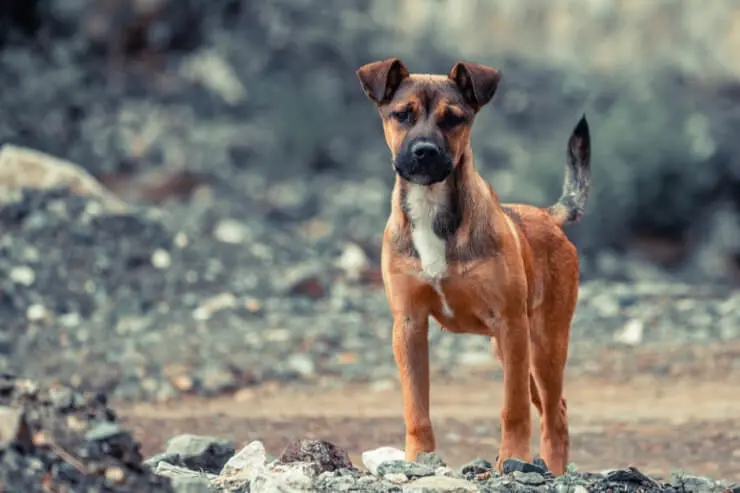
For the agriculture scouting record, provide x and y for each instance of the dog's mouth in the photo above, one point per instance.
(428, 175)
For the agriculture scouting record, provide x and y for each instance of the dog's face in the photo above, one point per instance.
(427, 118)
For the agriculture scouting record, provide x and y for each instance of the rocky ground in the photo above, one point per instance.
(56, 439)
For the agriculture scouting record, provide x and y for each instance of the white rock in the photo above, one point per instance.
(396, 477)
(161, 259)
(297, 477)
(373, 458)
(221, 301)
(36, 312)
(353, 261)
(440, 484)
(302, 364)
(22, 167)
(210, 69)
(231, 231)
(246, 463)
(23, 275)
(631, 334)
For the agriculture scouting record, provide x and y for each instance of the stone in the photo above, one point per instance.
(13, 427)
(529, 478)
(511, 465)
(296, 477)
(191, 485)
(430, 459)
(629, 475)
(328, 456)
(246, 463)
(373, 458)
(440, 484)
(411, 470)
(103, 431)
(204, 453)
(21, 167)
(475, 467)
(184, 480)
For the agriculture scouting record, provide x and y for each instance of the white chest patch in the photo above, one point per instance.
(423, 204)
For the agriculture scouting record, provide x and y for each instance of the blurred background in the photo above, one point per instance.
(218, 224)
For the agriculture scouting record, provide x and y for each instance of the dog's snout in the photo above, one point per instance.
(424, 150)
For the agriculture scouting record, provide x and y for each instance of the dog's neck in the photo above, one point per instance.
(433, 216)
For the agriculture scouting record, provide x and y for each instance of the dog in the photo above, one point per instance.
(451, 250)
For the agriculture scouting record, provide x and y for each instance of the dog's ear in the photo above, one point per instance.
(380, 80)
(477, 83)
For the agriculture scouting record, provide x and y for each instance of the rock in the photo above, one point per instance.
(22, 167)
(326, 455)
(540, 462)
(184, 480)
(353, 261)
(209, 454)
(515, 465)
(67, 441)
(104, 431)
(231, 231)
(411, 470)
(341, 481)
(191, 485)
(296, 477)
(529, 478)
(629, 475)
(13, 427)
(373, 458)
(171, 459)
(440, 484)
(309, 287)
(696, 484)
(245, 464)
(430, 459)
(475, 467)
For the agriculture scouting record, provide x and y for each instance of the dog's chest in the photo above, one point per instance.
(423, 206)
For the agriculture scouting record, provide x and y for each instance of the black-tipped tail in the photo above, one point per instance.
(572, 202)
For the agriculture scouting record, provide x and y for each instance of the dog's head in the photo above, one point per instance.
(427, 118)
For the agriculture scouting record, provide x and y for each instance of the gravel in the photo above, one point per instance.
(251, 470)
(53, 438)
(95, 298)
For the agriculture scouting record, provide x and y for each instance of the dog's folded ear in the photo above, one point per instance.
(476, 82)
(380, 80)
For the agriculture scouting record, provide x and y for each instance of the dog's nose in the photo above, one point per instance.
(424, 150)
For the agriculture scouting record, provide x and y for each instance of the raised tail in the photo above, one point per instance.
(570, 206)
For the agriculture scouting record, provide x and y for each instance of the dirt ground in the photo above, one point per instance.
(660, 423)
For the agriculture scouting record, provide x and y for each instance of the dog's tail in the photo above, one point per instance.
(572, 202)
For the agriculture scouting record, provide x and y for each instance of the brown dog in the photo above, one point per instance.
(453, 251)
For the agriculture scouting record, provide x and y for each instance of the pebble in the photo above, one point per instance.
(440, 484)
(36, 313)
(23, 275)
(204, 453)
(230, 231)
(411, 470)
(161, 259)
(373, 458)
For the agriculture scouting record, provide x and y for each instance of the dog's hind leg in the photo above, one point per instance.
(549, 352)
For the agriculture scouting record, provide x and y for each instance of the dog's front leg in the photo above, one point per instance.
(515, 415)
(411, 351)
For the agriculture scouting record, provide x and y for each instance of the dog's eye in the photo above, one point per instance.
(451, 120)
(403, 116)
